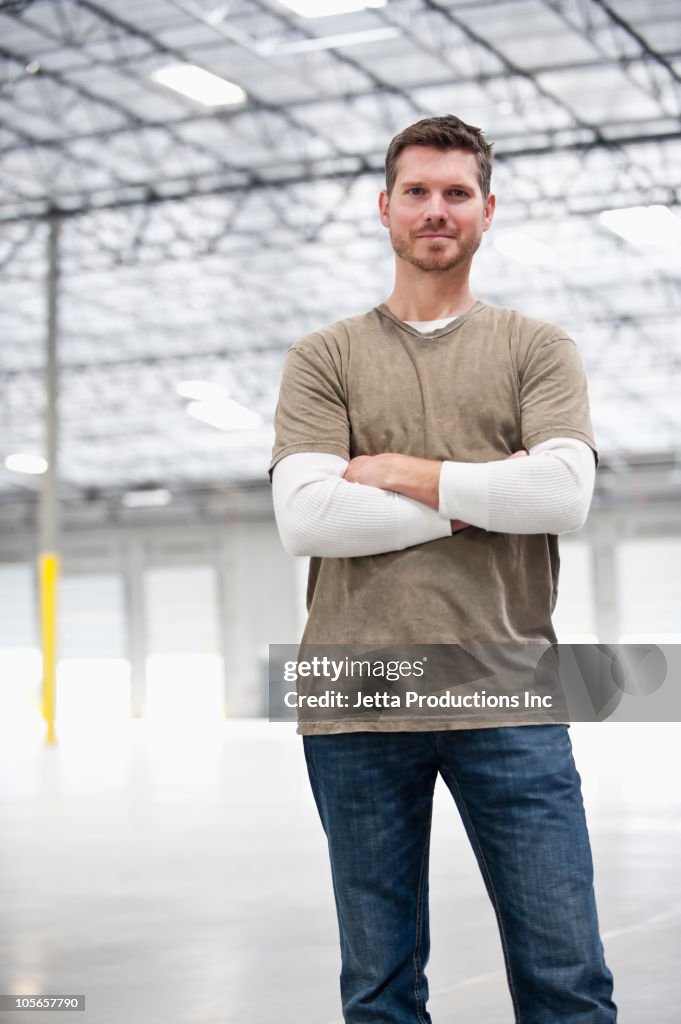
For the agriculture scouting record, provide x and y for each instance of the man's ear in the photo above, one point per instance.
(488, 214)
(384, 208)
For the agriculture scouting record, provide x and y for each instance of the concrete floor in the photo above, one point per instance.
(181, 878)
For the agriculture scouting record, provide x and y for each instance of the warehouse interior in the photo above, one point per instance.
(160, 250)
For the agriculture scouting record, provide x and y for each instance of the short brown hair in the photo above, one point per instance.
(447, 132)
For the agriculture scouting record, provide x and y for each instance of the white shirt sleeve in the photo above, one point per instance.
(548, 492)
(320, 513)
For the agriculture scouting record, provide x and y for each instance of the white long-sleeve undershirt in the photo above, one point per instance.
(320, 513)
(548, 492)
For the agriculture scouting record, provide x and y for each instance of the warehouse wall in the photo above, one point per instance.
(175, 621)
(156, 621)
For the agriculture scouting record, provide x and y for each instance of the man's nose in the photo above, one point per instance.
(436, 208)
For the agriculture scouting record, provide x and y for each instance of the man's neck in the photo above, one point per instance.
(429, 295)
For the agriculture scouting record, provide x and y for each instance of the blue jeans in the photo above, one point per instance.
(518, 794)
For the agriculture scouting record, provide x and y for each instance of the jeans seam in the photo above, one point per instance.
(494, 899)
(418, 967)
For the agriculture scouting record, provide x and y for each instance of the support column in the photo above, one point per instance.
(49, 509)
(135, 615)
(258, 608)
(228, 611)
(605, 582)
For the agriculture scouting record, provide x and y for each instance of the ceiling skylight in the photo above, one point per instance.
(645, 226)
(323, 8)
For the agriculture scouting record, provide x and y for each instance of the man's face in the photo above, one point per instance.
(436, 213)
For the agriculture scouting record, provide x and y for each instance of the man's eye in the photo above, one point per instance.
(459, 192)
(415, 191)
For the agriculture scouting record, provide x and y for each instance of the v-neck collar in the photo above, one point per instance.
(384, 310)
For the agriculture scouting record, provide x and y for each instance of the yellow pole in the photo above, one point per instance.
(49, 578)
(49, 509)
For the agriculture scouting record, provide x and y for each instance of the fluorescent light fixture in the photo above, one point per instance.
(225, 415)
(150, 497)
(577, 638)
(523, 248)
(323, 8)
(202, 391)
(21, 462)
(192, 81)
(646, 226)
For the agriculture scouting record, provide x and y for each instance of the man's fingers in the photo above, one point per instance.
(457, 525)
(355, 466)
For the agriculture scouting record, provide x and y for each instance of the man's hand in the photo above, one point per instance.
(373, 470)
(406, 474)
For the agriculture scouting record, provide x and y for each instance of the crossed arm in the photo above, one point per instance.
(328, 507)
(415, 478)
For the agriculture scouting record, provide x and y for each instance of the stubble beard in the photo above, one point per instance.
(436, 259)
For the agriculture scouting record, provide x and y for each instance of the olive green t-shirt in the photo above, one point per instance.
(488, 384)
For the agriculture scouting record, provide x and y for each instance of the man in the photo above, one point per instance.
(427, 454)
